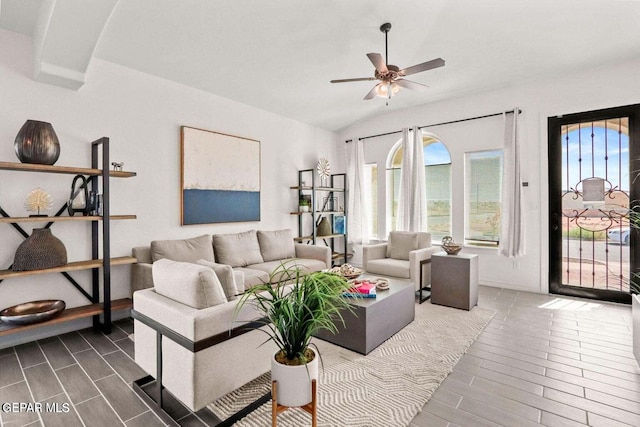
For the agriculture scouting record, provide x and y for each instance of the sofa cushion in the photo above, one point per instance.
(276, 245)
(389, 267)
(253, 277)
(226, 276)
(401, 243)
(183, 250)
(237, 250)
(191, 284)
(305, 265)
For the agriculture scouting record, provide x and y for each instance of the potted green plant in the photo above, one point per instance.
(293, 310)
(304, 205)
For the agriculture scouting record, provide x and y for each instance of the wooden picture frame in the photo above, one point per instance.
(220, 177)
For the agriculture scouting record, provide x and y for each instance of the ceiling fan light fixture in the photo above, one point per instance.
(382, 89)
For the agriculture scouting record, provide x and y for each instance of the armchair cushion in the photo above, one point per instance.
(237, 250)
(190, 284)
(183, 250)
(226, 276)
(401, 243)
(276, 245)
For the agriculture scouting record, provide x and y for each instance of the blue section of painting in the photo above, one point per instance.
(210, 206)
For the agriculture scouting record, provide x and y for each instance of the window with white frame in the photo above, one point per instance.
(437, 166)
(483, 196)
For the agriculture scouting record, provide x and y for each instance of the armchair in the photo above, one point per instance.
(402, 256)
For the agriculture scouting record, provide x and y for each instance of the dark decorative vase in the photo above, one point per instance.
(41, 250)
(37, 142)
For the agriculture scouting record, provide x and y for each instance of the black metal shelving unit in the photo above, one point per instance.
(329, 201)
(98, 177)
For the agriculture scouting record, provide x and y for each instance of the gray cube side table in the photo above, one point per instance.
(454, 280)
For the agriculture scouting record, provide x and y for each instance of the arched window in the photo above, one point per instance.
(437, 168)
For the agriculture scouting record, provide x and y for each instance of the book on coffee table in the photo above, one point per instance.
(358, 295)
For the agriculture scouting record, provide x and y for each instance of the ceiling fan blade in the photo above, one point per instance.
(372, 93)
(378, 62)
(360, 79)
(408, 84)
(434, 63)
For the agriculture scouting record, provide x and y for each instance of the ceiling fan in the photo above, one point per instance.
(391, 76)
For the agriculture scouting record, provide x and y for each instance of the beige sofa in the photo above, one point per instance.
(249, 256)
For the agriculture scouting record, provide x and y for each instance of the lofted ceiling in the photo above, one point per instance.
(280, 55)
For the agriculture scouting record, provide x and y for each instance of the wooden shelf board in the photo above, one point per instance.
(15, 219)
(72, 266)
(328, 236)
(29, 167)
(307, 188)
(67, 316)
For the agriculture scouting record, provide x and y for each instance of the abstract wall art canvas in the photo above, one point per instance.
(220, 177)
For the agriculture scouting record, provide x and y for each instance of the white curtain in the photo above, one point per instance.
(512, 217)
(358, 213)
(412, 200)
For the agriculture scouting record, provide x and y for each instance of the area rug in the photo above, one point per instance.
(389, 386)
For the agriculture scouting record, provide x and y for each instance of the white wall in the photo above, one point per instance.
(607, 86)
(142, 115)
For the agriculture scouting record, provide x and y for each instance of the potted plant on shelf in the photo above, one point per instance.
(293, 310)
(304, 205)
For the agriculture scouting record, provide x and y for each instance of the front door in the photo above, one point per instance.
(593, 164)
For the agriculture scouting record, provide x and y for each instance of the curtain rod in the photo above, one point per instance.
(437, 124)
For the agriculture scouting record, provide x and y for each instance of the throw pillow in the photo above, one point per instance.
(225, 275)
(191, 284)
(276, 245)
(237, 250)
(183, 250)
(401, 243)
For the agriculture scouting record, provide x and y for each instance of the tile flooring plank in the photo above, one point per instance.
(93, 364)
(97, 413)
(534, 378)
(56, 353)
(42, 382)
(456, 415)
(124, 401)
(513, 360)
(60, 413)
(587, 383)
(447, 397)
(507, 380)
(608, 399)
(74, 342)
(596, 420)
(593, 407)
(620, 371)
(517, 408)
(191, 421)
(10, 372)
(117, 334)
(29, 354)
(427, 419)
(127, 346)
(530, 399)
(77, 384)
(491, 413)
(125, 324)
(7, 351)
(123, 365)
(98, 341)
(148, 419)
(619, 382)
(549, 419)
(16, 393)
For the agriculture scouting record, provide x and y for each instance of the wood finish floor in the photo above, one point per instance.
(542, 360)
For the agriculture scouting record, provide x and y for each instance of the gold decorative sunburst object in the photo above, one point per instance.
(324, 170)
(38, 200)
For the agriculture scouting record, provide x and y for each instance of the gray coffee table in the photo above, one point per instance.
(376, 319)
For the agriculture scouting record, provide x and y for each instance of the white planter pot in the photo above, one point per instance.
(294, 382)
(635, 314)
(303, 208)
